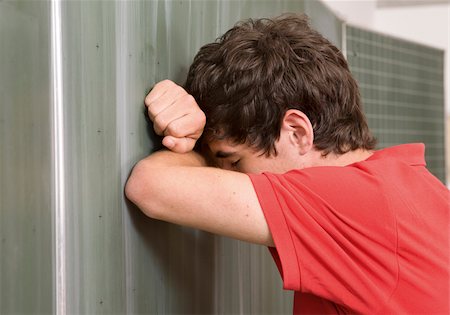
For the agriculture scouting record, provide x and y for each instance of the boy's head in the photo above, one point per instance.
(248, 80)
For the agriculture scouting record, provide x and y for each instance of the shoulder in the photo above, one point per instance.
(325, 180)
(346, 190)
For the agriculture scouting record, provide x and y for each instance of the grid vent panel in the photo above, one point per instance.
(402, 88)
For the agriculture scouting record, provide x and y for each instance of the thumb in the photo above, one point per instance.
(179, 145)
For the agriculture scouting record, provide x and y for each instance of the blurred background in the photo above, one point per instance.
(426, 23)
(73, 76)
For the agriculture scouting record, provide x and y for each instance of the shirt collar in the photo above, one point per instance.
(412, 153)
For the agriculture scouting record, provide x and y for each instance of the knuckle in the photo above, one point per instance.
(189, 99)
(147, 100)
(157, 130)
(160, 122)
(166, 84)
(174, 130)
(202, 118)
(163, 83)
(151, 112)
(179, 94)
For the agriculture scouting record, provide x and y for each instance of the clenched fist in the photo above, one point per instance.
(175, 115)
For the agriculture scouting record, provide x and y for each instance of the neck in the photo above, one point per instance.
(339, 159)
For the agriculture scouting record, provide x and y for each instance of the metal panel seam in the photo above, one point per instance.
(344, 39)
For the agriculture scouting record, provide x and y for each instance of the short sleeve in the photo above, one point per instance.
(334, 234)
(287, 264)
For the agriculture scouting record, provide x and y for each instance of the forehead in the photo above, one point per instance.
(224, 146)
(222, 149)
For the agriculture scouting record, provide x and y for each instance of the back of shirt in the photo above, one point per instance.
(371, 237)
(421, 205)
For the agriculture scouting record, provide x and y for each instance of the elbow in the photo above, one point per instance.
(138, 189)
(132, 188)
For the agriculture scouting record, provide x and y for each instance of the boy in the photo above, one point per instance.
(274, 106)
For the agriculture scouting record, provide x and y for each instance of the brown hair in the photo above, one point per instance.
(247, 80)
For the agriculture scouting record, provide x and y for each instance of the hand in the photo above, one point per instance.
(175, 115)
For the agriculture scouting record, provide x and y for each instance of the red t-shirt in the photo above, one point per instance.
(371, 237)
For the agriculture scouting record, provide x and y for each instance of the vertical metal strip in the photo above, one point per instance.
(344, 39)
(121, 38)
(240, 267)
(59, 202)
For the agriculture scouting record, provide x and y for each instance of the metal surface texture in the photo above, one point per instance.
(94, 229)
(25, 159)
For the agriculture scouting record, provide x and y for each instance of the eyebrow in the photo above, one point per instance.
(222, 154)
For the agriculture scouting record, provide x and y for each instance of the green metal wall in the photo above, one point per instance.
(117, 261)
(25, 159)
(95, 276)
(402, 86)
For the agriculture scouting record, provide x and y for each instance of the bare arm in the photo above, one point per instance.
(180, 189)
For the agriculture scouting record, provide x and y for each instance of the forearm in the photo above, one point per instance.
(177, 188)
(153, 173)
(164, 158)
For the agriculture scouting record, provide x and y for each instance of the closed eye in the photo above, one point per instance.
(235, 163)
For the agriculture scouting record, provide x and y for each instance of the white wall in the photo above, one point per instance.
(428, 24)
(359, 13)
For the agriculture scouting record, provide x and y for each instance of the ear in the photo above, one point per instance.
(297, 127)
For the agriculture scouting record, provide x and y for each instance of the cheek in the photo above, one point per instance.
(258, 166)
